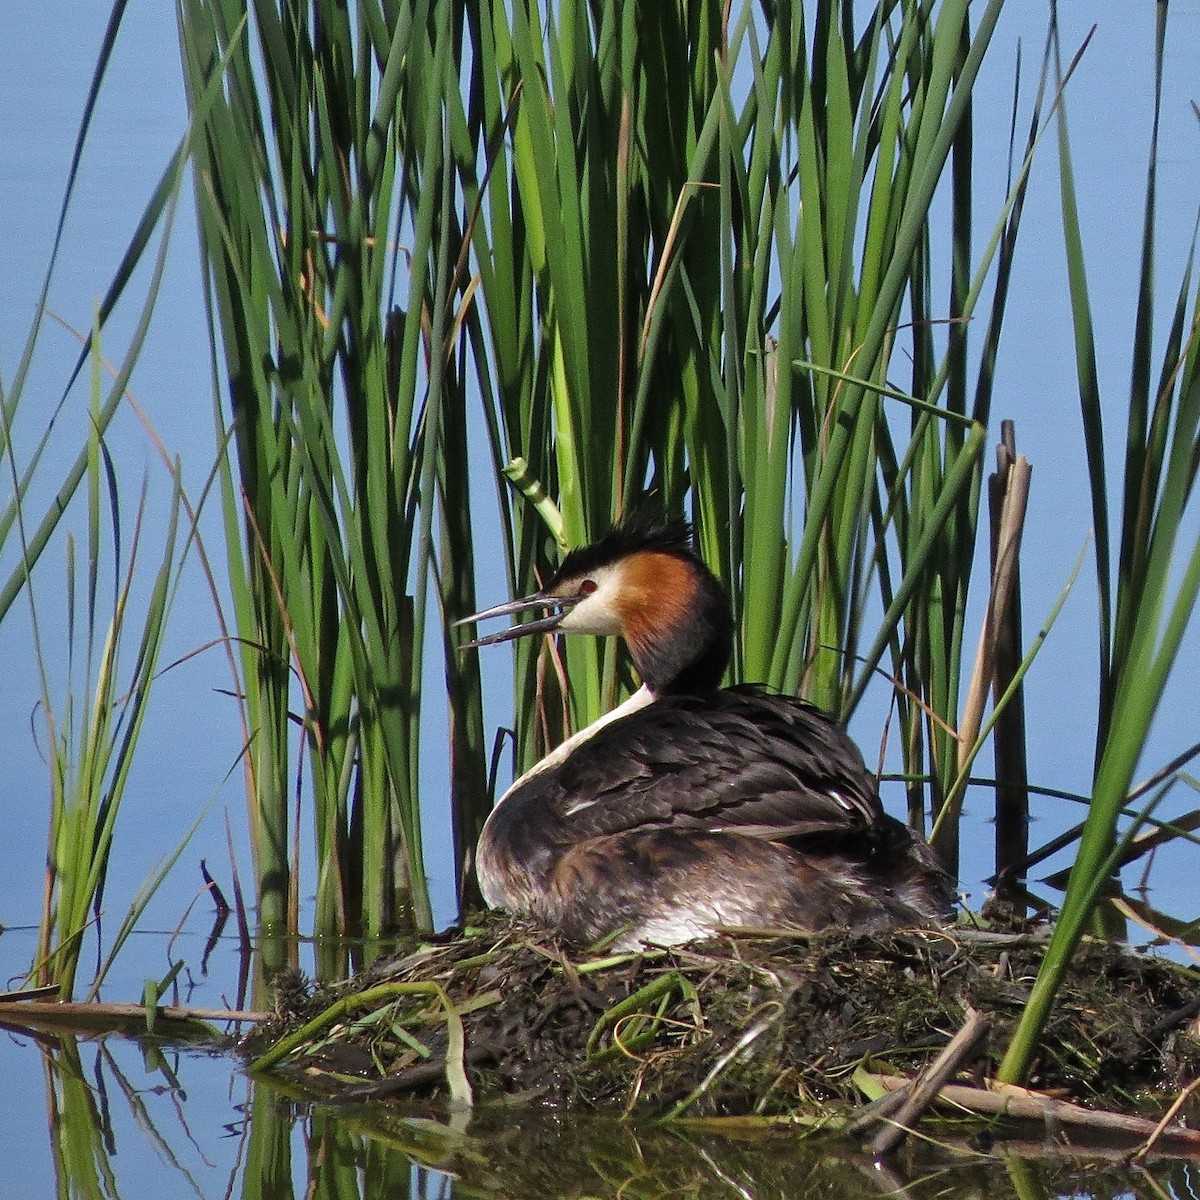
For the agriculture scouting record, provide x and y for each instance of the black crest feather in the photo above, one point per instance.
(641, 530)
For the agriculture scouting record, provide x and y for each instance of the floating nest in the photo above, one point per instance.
(746, 1025)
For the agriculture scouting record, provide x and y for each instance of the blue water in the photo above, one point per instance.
(168, 1129)
(176, 1124)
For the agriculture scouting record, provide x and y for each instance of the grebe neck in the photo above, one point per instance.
(677, 622)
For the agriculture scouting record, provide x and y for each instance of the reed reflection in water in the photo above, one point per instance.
(116, 1119)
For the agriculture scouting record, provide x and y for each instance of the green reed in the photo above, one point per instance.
(670, 255)
(325, 195)
(702, 251)
(30, 531)
(1147, 561)
(95, 674)
(91, 733)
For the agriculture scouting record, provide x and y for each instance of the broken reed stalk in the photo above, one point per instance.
(1143, 1151)
(926, 1087)
(94, 1017)
(1008, 740)
(1025, 1105)
(1005, 555)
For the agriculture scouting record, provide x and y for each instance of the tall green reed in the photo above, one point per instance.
(92, 732)
(325, 193)
(703, 248)
(1148, 591)
(30, 531)
(91, 728)
(670, 251)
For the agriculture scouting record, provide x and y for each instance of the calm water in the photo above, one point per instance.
(114, 1119)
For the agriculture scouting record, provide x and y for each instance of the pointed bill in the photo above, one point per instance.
(538, 601)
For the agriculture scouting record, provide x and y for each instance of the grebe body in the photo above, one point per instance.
(692, 808)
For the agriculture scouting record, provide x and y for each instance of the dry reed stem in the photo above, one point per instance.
(1002, 1100)
(926, 1087)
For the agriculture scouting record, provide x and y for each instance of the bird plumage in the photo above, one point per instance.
(692, 807)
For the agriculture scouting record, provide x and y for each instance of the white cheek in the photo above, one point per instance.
(598, 613)
(595, 615)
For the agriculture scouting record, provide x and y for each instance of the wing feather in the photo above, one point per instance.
(740, 760)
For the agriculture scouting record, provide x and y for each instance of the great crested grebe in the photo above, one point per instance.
(689, 807)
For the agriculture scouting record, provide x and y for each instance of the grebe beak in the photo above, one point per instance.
(537, 601)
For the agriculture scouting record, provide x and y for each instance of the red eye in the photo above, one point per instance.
(587, 587)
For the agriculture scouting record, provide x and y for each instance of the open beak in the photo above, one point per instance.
(537, 601)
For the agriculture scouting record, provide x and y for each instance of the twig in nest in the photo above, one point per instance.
(929, 1083)
(1024, 1105)
(877, 1110)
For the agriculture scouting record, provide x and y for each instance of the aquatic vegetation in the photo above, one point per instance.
(766, 1026)
(730, 259)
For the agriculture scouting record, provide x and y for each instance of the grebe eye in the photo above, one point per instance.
(587, 587)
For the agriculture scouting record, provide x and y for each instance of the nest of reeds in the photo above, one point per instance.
(765, 1025)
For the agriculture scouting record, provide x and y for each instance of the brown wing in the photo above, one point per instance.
(740, 759)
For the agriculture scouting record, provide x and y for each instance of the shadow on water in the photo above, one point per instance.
(125, 1120)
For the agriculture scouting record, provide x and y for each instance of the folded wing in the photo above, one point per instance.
(741, 760)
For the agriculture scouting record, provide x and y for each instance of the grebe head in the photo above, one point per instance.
(644, 582)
